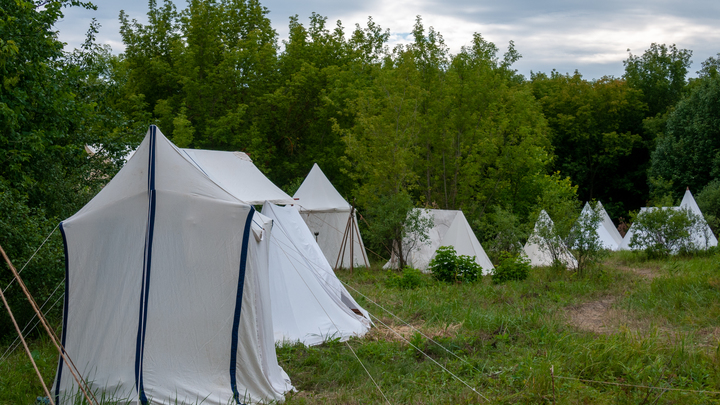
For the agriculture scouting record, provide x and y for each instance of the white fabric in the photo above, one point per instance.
(326, 213)
(605, 235)
(450, 228)
(181, 336)
(236, 173)
(538, 254)
(704, 237)
(309, 302)
(701, 238)
(610, 227)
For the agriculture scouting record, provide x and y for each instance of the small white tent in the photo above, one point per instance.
(702, 236)
(536, 248)
(450, 228)
(309, 303)
(328, 216)
(607, 233)
(167, 289)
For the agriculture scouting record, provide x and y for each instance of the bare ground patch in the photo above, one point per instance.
(380, 332)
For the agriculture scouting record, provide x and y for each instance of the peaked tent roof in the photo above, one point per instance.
(538, 254)
(236, 172)
(605, 235)
(450, 228)
(610, 226)
(163, 251)
(316, 193)
(309, 303)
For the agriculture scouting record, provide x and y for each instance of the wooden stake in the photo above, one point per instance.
(53, 337)
(27, 349)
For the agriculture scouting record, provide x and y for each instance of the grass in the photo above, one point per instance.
(658, 324)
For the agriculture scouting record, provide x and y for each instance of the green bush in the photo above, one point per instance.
(449, 267)
(410, 279)
(511, 268)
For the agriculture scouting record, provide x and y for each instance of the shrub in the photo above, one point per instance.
(411, 278)
(511, 267)
(449, 267)
(709, 202)
(660, 231)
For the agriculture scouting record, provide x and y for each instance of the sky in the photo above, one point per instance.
(592, 37)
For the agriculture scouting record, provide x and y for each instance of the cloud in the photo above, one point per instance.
(565, 35)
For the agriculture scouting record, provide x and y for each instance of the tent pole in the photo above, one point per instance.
(352, 244)
(341, 258)
(357, 232)
(27, 350)
(53, 337)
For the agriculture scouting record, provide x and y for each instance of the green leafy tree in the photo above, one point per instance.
(595, 135)
(584, 240)
(688, 154)
(661, 231)
(660, 73)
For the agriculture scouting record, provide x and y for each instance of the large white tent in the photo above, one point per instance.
(450, 228)
(536, 248)
(167, 295)
(607, 233)
(309, 303)
(702, 236)
(327, 213)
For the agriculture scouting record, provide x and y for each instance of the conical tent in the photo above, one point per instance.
(605, 235)
(536, 247)
(167, 289)
(450, 228)
(331, 220)
(703, 237)
(309, 303)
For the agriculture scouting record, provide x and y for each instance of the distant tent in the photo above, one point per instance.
(538, 254)
(167, 289)
(607, 233)
(309, 303)
(450, 228)
(328, 216)
(702, 238)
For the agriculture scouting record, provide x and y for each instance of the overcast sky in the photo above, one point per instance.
(592, 37)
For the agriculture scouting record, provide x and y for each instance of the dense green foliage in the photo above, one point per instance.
(450, 267)
(660, 231)
(511, 268)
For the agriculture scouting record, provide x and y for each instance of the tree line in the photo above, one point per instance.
(393, 128)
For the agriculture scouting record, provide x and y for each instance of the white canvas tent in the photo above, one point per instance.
(535, 248)
(607, 233)
(309, 303)
(237, 174)
(326, 213)
(450, 228)
(702, 237)
(167, 289)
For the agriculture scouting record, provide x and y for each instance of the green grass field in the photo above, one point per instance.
(632, 322)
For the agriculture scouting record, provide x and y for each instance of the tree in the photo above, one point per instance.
(688, 153)
(49, 109)
(660, 231)
(595, 135)
(660, 74)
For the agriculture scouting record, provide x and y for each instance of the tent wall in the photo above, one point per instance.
(309, 303)
(164, 287)
(538, 254)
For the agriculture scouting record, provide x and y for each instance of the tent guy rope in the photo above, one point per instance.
(33, 256)
(82, 384)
